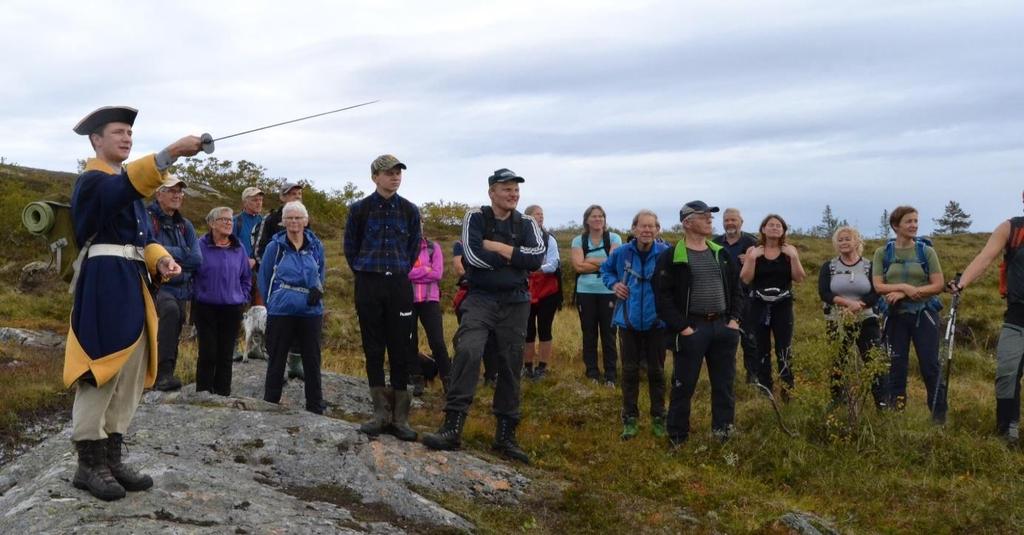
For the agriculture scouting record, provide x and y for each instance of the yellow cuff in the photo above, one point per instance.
(154, 252)
(144, 176)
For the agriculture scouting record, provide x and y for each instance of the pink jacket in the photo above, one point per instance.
(426, 273)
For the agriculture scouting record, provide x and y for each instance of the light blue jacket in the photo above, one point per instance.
(637, 312)
(287, 275)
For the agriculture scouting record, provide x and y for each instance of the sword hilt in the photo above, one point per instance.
(207, 140)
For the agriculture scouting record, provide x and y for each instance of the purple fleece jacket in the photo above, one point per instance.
(224, 278)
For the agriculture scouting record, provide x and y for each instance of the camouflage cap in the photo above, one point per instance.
(385, 162)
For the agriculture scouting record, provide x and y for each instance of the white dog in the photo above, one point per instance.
(254, 321)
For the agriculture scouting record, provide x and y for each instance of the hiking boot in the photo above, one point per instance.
(295, 370)
(539, 372)
(93, 474)
(629, 429)
(381, 412)
(527, 372)
(417, 384)
(1012, 436)
(168, 383)
(449, 435)
(401, 401)
(723, 435)
(658, 427)
(505, 440)
(127, 476)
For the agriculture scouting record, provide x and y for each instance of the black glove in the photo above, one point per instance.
(315, 295)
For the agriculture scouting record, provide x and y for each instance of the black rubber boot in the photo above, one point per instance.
(295, 370)
(449, 435)
(505, 440)
(402, 401)
(381, 412)
(93, 474)
(127, 476)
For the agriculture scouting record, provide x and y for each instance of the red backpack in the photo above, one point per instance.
(1013, 243)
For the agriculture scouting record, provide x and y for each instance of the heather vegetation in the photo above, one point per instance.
(866, 471)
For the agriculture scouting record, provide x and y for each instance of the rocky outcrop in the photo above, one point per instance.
(241, 465)
(31, 338)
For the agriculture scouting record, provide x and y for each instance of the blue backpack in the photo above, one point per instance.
(889, 258)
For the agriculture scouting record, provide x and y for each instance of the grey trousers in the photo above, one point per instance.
(482, 315)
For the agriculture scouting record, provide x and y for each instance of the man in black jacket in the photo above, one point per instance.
(736, 242)
(501, 248)
(696, 288)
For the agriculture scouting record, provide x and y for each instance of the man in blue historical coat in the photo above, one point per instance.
(111, 347)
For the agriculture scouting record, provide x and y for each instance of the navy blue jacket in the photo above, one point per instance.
(178, 236)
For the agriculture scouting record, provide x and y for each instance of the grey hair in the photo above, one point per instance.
(294, 206)
(732, 211)
(216, 212)
(531, 209)
(644, 212)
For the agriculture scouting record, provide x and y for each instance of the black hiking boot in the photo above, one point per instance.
(449, 435)
(167, 383)
(127, 476)
(381, 412)
(93, 474)
(401, 402)
(505, 440)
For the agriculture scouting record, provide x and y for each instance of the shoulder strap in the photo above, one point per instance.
(517, 227)
(922, 256)
(606, 242)
(1016, 238)
(489, 222)
(430, 251)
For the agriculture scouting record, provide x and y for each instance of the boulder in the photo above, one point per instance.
(239, 464)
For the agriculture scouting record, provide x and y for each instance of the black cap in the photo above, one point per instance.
(696, 207)
(504, 175)
(107, 114)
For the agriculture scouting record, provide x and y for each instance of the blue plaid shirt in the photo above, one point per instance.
(382, 235)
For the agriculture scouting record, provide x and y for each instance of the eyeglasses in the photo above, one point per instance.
(175, 192)
(300, 218)
(223, 220)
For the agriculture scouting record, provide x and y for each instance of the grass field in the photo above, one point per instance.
(868, 472)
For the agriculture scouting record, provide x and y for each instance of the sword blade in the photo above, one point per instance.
(297, 120)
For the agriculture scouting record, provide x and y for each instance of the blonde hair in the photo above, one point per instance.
(854, 233)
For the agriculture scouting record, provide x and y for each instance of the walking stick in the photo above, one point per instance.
(940, 405)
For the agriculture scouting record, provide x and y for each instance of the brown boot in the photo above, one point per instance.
(400, 423)
(93, 474)
(130, 479)
(381, 412)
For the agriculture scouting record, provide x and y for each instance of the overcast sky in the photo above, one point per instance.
(767, 106)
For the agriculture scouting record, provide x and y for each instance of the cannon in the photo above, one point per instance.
(52, 221)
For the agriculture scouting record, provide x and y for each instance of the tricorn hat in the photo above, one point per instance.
(107, 114)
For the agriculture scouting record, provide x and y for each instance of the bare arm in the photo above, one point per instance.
(796, 268)
(988, 254)
(752, 254)
(583, 265)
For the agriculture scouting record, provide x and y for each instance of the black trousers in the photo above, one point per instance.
(217, 332)
(481, 316)
(649, 347)
(921, 329)
(384, 307)
(429, 315)
(866, 335)
(767, 321)
(748, 340)
(171, 318)
(282, 331)
(596, 318)
(714, 342)
(542, 315)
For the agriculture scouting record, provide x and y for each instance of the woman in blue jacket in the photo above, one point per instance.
(628, 273)
(291, 280)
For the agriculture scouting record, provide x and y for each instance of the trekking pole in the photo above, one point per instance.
(940, 405)
(778, 412)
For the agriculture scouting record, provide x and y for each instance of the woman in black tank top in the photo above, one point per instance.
(770, 270)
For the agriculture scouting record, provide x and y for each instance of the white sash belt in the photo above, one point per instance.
(131, 252)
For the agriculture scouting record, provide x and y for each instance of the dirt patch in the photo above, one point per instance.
(33, 426)
(351, 501)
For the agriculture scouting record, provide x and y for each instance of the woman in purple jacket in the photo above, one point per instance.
(221, 286)
(425, 275)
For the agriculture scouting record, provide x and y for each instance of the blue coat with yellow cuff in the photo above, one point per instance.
(112, 303)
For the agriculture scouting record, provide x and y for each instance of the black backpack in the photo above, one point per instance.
(491, 225)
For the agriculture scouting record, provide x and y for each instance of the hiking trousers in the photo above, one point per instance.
(428, 314)
(482, 315)
(171, 318)
(282, 332)
(649, 347)
(596, 312)
(767, 321)
(715, 343)
(384, 307)
(921, 329)
(217, 332)
(1009, 367)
